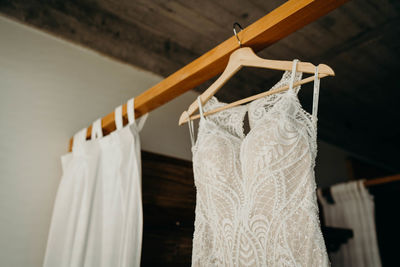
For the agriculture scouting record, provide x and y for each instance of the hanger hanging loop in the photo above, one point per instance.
(236, 34)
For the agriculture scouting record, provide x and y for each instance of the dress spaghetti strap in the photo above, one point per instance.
(293, 75)
(316, 96)
(200, 107)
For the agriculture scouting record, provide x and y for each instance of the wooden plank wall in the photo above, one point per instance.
(168, 210)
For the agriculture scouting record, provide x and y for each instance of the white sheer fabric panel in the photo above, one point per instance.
(353, 209)
(97, 218)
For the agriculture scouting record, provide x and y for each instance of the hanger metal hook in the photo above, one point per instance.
(236, 34)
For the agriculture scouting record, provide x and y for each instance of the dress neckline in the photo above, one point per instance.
(240, 136)
(241, 110)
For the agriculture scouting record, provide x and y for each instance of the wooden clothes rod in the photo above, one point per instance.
(326, 192)
(279, 23)
(383, 180)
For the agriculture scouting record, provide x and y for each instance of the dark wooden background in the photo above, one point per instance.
(168, 211)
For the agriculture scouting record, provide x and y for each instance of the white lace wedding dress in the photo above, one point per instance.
(256, 199)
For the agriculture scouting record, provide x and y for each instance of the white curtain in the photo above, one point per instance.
(353, 209)
(97, 218)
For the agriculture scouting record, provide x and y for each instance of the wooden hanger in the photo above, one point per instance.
(245, 57)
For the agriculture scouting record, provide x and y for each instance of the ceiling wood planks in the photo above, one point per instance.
(360, 40)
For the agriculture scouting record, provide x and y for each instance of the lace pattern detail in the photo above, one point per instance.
(256, 202)
(258, 108)
(230, 120)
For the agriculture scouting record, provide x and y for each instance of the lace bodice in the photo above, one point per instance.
(256, 202)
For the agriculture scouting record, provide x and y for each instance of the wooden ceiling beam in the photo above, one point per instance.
(89, 25)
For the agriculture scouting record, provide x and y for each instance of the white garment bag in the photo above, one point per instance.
(97, 218)
(353, 209)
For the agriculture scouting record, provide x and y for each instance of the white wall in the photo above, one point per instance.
(49, 89)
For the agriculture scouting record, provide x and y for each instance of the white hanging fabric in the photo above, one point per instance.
(97, 218)
(353, 209)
